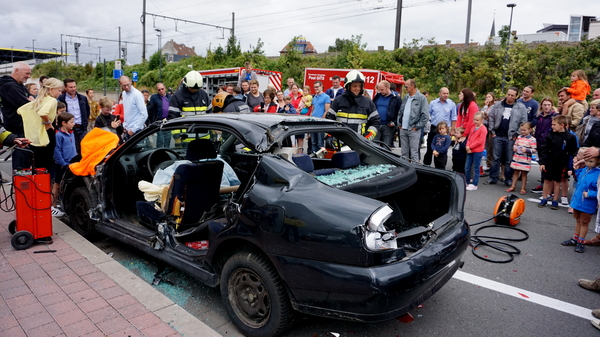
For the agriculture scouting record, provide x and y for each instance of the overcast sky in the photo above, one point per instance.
(275, 22)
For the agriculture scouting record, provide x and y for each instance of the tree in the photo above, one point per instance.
(504, 34)
(233, 49)
(155, 62)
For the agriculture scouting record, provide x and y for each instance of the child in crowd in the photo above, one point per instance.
(584, 201)
(554, 158)
(60, 107)
(524, 148)
(288, 108)
(64, 151)
(475, 147)
(106, 119)
(459, 150)
(579, 89)
(439, 145)
(306, 103)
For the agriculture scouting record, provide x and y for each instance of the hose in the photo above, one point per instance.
(495, 242)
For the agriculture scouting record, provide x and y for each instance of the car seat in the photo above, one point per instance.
(305, 163)
(193, 191)
(199, 149)
(345, 159)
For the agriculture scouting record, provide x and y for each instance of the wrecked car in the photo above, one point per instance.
(361, 235)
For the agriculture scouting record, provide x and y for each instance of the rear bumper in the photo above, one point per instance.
(371, 294)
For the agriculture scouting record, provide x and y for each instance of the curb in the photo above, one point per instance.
(167, 310)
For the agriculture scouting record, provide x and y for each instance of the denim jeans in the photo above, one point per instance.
(163, 139)
(385, 134)
(79, 133)
(473, 163)
(502, 154)
(316, 141)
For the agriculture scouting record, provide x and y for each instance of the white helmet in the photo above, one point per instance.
(193, 80)
(354, 76)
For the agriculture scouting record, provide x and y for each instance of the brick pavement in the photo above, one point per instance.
(65, 294)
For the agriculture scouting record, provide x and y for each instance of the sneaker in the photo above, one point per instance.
(549, 197)
(56, 212)
(570, 210)
(508, 182)
(471, 187)
(570, 242)
(537, 190)
(580, 248)
(596, 313)
(590, 285)
(542, 203)
(491, 182)
(554, 205)
(564, 201)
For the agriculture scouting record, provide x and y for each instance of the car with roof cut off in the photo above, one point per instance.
(363, 235)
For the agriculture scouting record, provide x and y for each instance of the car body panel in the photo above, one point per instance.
(311, 232)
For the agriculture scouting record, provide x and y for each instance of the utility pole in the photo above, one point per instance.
(468, 23)
(232, 23)
(66, 53)
(33, 48)
(76, 46)
(159, 53)
(99, 58)
(119, 43)
(512, 7)
(143, 19)
(398, 24)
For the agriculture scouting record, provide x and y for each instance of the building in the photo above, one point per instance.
(175, 51)
(303, 46)
(579, 27)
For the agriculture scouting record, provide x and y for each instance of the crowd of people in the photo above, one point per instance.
(505, 135)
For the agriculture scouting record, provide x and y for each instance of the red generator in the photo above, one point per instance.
(33, 201)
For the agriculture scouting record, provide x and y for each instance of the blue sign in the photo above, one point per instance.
(117, 73)
(134, 76)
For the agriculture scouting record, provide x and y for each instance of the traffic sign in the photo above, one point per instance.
(134, 76)
(118, 65)
(117, 73)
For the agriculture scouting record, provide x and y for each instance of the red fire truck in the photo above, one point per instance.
(372, 77)
(215, 78)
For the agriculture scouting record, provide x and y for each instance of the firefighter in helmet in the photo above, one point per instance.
(354, 109)
(190, 99)
(225, 102)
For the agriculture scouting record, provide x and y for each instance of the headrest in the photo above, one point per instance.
(304, 162)
(200, 149)
(345, 159)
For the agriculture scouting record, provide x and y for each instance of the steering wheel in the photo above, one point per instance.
(154, 164)
(382, 144)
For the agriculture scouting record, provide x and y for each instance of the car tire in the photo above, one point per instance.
(79, 204)
(254, 296)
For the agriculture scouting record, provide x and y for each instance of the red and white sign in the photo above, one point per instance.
(372, 77)
(215, 78)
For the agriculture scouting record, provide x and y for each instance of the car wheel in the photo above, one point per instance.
(12, 227)
(254, 296)
(21, 240)
(78, 213)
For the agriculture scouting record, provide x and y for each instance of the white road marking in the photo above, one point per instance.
(526, 295)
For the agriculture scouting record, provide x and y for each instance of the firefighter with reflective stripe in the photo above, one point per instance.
(354, 109)
(190, 99)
